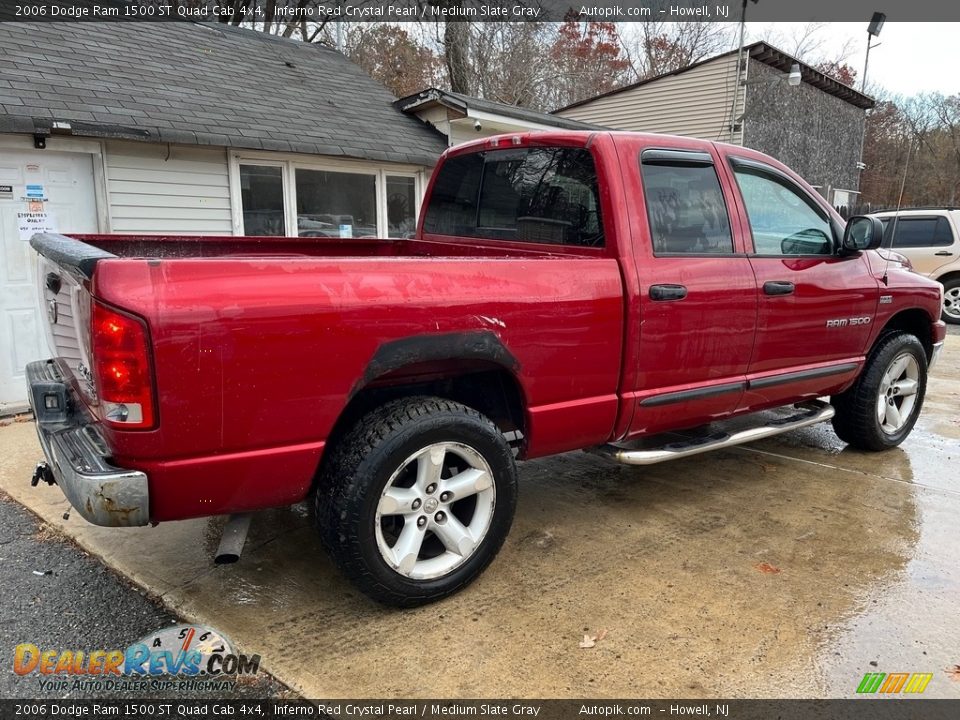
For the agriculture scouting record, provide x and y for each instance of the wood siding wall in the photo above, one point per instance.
(155, 189)
(695, 103)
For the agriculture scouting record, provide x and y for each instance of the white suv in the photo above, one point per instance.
(930, 238)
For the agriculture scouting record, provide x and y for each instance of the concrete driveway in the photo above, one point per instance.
(787, 568)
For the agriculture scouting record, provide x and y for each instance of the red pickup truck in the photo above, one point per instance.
(564, 290)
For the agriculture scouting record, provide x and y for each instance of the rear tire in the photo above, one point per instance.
(951, 301)
(880, 409)
(416, 500)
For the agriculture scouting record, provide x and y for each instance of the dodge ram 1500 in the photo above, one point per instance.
(564, 290)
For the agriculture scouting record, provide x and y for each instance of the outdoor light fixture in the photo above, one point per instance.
(795, 77)
(873, 30)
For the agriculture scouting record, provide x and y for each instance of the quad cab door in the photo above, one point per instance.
(697, 295)
(815, 307)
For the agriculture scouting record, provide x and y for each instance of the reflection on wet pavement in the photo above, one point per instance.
(786, 568)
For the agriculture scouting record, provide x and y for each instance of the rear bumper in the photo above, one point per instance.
(78, 456)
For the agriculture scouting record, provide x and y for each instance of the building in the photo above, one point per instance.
(461, 118)
(815, 127)
(191, 129)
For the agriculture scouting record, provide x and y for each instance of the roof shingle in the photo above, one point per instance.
(200, 83)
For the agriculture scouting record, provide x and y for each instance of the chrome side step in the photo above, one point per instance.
(810, 413)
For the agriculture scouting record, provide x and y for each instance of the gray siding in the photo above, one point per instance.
(155, 188)
(695, 103)
(814, 133)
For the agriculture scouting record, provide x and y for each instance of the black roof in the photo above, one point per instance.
(769, 55)
(201, 84)
(463, 103)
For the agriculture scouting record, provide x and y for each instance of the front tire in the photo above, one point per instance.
(416, 500)
(880, 409)
(951, 301)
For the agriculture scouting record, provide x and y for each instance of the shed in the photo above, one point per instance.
(815, 127)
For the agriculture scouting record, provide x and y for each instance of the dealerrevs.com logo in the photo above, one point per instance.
(182, 656)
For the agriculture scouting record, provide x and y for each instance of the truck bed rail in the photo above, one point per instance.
(69, 253)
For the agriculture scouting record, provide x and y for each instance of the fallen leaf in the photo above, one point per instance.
(954, 673)
(588, 641)
(767, 568)
(602, 635)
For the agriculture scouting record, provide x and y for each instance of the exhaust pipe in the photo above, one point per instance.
(233, 538)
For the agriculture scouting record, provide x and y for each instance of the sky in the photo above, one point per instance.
(911, 57)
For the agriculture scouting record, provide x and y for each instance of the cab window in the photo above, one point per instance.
(917, 232)
(783, 219)
(537, 195)
(685, 205)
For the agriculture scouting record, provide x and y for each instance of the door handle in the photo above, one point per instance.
(943, 253)
(778, 287)
(667, 292)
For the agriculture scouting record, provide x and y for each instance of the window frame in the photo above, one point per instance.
(674, 157)
(283, 190)
(291, 162)
(778, 176)
(417, 192)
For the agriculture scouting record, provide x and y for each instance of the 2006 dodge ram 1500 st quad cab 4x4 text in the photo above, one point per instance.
(564, 290)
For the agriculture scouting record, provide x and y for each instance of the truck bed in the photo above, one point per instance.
(213, 246)
(258, 344)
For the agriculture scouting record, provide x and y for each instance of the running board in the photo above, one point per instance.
(810, 413)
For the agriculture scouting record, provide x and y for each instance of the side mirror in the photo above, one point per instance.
(862, 233)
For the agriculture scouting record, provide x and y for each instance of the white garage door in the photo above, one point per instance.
(65, 180)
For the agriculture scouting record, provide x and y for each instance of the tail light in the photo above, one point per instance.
(122, 370)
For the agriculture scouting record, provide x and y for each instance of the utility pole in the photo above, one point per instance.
(873, 30)
(736, 89)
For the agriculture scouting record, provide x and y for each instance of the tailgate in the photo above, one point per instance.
(64, 269)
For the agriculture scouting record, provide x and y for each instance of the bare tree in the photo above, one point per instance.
(512, 64)
(390, 55)
(662, 47)
(927, 129)
(588, 58)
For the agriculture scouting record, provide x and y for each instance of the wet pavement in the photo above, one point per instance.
(786, 568)
(59, 597)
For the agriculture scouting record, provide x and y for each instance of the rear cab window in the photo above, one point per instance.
(532, 195)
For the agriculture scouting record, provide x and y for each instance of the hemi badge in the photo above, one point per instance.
(886, 299)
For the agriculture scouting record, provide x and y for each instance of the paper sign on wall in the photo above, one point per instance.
(31, 223)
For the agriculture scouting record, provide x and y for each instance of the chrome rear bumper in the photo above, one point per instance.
(78, 456)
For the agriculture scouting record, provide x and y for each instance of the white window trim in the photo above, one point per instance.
(236, 194)
(291, 162)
